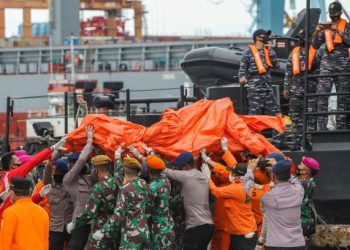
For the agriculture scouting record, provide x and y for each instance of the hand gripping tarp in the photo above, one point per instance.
(196, 126)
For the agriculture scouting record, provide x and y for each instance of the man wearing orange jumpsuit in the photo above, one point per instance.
(220, 176)
(24, 225)
(240, 222)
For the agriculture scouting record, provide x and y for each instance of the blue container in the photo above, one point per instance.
(75, 41)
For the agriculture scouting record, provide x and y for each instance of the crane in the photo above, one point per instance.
(111, 7)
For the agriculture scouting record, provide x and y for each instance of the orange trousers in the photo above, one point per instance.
(221, 240)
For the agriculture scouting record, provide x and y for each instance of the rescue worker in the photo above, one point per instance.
(336, 36)
(24, 225)
(240, 219)
(306, 171)
(282, 208)
(101, 203)
(294, 89)
(195, 193)
(161, 222)
(132, 211)
(255, 70)
(12, 168)
(220, 176)
(61, 208)
(78, 183)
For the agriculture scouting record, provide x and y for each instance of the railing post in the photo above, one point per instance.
(7, 136)
(127, 104)
(65, 112)
(182, 96)
(75, 107)
(307, 23)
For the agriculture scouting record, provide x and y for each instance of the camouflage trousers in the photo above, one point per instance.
(342, 84)
(162, 241)
(296, 108)
(261, 99)
(139, 242)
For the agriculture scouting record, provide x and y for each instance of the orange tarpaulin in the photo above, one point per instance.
(191, 128)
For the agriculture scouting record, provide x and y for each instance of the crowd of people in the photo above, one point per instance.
(141, 201)
(87, 200)
(259, 59)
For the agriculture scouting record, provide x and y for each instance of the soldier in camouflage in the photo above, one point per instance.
(255, 70)
(335, 60)
(294, 90)
(101, 202)
(132, 210)
(161, 222)
(306, 171)
(177, 211)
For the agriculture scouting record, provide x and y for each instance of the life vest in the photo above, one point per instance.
(296, 59)
(337, 38)
(259, 63)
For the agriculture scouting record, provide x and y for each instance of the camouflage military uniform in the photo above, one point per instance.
(161, 222)
(333, 63)
(131, 215)
(308, 219)
(294, 84)
(177, 211)
(260, 94)
(98, 209)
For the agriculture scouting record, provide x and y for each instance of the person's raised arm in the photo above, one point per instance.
(73, 174)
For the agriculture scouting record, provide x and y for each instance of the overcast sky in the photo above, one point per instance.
(178, 17)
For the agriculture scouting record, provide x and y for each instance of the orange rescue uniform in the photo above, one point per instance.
(238, 211)
(221, 239)
(255, 194)
(36, 198)
(24, 225)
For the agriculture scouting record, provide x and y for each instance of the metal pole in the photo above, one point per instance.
(241, 98)
(75, 107)
(72, 59)
(7, 136)
(182, 96)
(127, 104)
(306, 63)
(65, 112)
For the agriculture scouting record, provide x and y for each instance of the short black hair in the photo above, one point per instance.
(105, 168)
(154, 171)
(6, 159)
(19, 192)
(131, 171)
(284, 176)
(313, 172)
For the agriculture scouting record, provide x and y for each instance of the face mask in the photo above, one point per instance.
(58, 178)
(231, 178)
(301, 42)
(335, 18)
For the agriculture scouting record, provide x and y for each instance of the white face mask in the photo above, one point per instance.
(231, 178)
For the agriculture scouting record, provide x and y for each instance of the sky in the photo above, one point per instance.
(178, 17)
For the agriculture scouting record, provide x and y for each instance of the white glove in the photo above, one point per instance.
(205, 170)
(118, 152)
(98, 235)
(60, 144)
(135, 152)
(45, 190)
(224, 144)
(149, 151)
(4, 195)
(204, 156)
(90, 133)
(70, 227)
